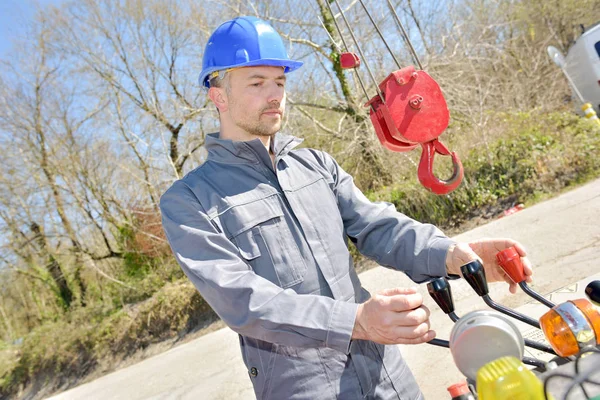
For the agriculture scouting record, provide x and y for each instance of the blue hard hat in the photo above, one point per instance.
(244, 42)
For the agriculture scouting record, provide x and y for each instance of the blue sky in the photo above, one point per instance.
(14, 14)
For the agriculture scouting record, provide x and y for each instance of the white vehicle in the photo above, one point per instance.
(582, 66)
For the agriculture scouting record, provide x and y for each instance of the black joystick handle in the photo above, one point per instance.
(439, 290)
(474, 273)
(592, 290)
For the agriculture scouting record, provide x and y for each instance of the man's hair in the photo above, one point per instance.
(220, 81)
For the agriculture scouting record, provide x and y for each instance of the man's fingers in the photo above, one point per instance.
(404, 302)
(399, 290)
(512, 287)
(464, 253)
(487, 249)
(413, 317)
(520, 249)
(527, 268)
(411, 332)
(430, 335)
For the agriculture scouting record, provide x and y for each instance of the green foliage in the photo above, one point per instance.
(8, 360)
(142, 272)
(136, 265)
(71, 348)
(174, 310)
(537, 155)
(144, 276)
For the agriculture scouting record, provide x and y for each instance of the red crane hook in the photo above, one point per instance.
(413, 111)
(425, 171)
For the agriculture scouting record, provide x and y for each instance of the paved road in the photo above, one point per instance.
(562, 237)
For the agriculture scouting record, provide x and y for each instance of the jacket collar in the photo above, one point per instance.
(253, 151)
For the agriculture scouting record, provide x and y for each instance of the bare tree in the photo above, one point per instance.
(139, 51)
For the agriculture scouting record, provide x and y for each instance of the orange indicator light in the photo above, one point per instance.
(571, 326)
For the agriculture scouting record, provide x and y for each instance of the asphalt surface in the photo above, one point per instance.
(562, 238)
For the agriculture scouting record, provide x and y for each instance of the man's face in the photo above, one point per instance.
(255, 98)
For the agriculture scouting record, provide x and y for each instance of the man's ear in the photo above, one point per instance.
(218, 96)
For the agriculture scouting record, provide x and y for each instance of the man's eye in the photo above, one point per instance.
(256, 84)
(280, 85)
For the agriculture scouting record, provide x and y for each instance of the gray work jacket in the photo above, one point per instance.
(266, 246)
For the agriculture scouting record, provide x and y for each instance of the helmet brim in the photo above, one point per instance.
(289, 65)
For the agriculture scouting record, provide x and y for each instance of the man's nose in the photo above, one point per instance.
(275, 93)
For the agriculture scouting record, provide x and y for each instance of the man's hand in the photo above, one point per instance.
(395, 316)
(485, 250)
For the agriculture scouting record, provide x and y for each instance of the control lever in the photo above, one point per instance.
(592, 290)
(439, 289)
(474, 274)
(510, 261)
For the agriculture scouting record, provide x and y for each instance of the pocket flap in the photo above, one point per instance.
(243, 217)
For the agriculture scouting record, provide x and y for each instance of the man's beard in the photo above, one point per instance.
(261, 128)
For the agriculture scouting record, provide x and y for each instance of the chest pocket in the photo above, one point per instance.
(264, 240)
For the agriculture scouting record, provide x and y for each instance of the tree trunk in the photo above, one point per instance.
(64, 292)
(53, 266)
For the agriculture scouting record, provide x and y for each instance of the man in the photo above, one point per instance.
(261, 230)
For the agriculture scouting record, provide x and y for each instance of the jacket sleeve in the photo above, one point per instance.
(248, 303)
(390, 238)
